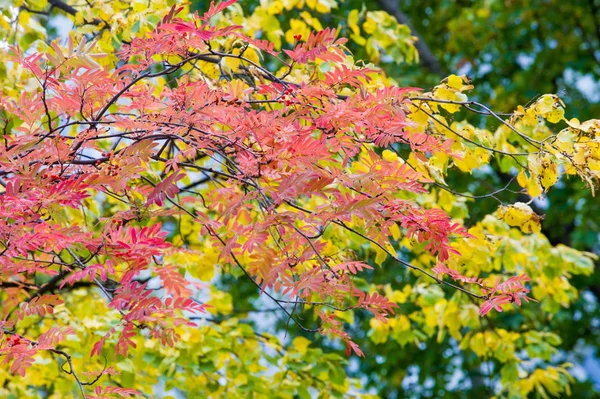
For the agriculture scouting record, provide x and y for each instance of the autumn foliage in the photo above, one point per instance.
(280, 158)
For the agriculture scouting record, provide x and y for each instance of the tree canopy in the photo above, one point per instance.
(253, 199)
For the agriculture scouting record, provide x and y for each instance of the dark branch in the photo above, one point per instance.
(63, 6)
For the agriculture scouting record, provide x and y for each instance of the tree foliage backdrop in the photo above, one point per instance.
(254, 199)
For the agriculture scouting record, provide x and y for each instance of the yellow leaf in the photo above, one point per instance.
(139, 6)
(301, 344)
(534, 189)
(419, 117)
(556, 115)
(230, 64)
(455, 82)
(322, 6)
(530, 118)
(370, 24)
(522, 178)
(273, 7)
(580, 156)
(241, 379)
(531, 226)
(389, 156)
(297, 27)
(402, 324)
(468, 132)
(545, 104)
(471, 160)
(312, 21)
(221, 302)
(592, 126)
(353, 22)
(401, 296)
(565, 140)
(520, 215)
(535, 164)
(549, 175)
(574, 123)
(395, 230)
(446, 94)
(380, 256)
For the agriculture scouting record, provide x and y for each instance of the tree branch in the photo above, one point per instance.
(63, 6)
